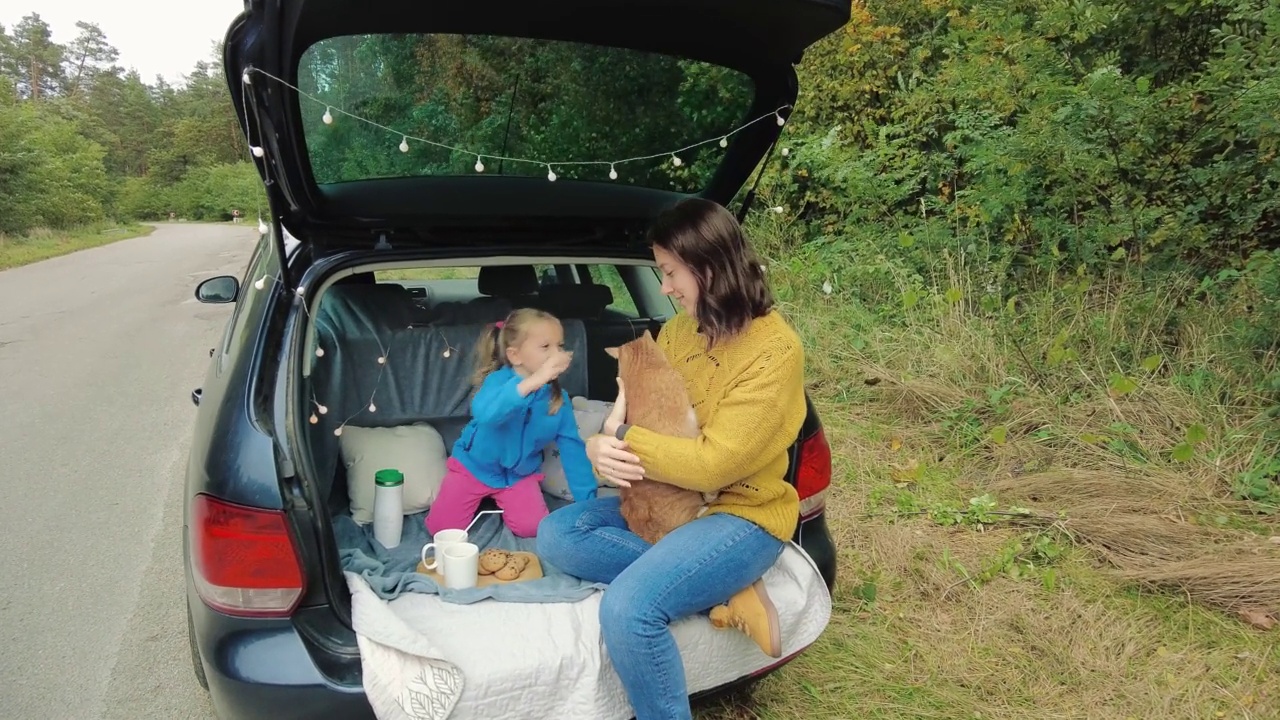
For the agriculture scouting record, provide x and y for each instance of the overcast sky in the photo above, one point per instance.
(158, 37)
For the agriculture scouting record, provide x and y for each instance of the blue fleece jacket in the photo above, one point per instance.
(504, 440)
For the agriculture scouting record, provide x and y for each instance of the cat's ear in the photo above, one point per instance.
(613, 352)
(647, 336)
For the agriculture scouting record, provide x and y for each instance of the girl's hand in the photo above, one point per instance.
(554, 366)
(609, 457)
(618, 415)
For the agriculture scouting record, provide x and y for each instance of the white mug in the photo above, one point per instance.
(441, 541)
(461, 565)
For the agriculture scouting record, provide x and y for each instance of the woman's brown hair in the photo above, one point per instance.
(732, 290)
(491, 350)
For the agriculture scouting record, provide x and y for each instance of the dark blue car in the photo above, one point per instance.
(430, 166)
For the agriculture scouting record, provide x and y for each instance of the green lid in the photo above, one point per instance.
(388, 478)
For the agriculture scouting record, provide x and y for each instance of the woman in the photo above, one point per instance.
(744, 369)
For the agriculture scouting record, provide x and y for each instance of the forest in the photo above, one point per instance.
(82, 141)
(1033, 249)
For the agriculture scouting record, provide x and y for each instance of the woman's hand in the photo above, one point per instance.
(609, 457)
(618, 415)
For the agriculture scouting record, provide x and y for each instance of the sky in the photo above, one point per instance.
(157, 37)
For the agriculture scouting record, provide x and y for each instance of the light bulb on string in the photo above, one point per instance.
(322, 409)
(724, 142)
(786, 152)
(675, 160)
(337, 432)
(613, 172)
(404, 144)
(261, 282)
(382, 360)
(551, 174)
(257, 151)
(244, 78)
(319, 352)
(262, 227)
(781, 120)
(479, 164)
(314, 419)
(373, 408)
(328, 117)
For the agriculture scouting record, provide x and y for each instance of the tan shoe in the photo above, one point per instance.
(752, 612)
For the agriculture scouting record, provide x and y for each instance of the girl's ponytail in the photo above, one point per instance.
(487, 353)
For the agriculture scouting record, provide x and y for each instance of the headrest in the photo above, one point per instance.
(360, 308)
(580, 301)
(507, 280)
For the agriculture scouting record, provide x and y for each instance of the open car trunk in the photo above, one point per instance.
(385, 357)
(407, 119)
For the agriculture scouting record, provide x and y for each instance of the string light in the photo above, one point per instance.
(244, 78)
(262, 227)
(405, 138)
(786, 152)
(257, 151)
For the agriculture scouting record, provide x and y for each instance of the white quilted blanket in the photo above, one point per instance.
(428, 660)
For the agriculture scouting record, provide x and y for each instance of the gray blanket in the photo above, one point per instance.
(392, 572)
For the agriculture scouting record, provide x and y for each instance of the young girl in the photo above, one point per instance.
(517, 411)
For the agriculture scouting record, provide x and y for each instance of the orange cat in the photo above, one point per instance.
(657, 401)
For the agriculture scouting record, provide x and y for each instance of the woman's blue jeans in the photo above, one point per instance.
(696, 567)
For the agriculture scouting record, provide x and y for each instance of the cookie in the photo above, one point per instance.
(493, 560)
(515, 565)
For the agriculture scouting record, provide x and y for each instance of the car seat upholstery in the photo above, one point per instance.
(417, 382)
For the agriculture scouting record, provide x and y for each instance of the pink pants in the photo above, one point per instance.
(460, 494)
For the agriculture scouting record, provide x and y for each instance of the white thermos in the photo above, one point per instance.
(388, 507)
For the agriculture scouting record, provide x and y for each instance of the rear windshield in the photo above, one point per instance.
(485, 97)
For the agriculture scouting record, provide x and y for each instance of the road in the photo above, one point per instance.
(99, 352)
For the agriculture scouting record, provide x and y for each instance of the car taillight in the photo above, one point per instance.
(813, 473)
(243, 559)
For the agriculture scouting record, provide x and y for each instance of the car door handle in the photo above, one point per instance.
(196, 395)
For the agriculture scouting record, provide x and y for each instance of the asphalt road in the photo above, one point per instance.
(99, 352)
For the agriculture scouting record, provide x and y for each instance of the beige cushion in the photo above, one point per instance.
(590, 415)
(416, 450)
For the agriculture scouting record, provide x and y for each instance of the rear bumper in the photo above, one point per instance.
(263, 669)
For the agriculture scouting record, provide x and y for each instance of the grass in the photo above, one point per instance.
(1019, 534)
(42, 244)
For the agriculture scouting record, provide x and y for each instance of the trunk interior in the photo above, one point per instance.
(394, 348)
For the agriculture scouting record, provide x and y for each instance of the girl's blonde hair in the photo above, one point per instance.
(491, 351)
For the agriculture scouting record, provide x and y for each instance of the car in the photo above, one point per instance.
(427, 167)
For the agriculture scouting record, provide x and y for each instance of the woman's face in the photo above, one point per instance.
(678, 281)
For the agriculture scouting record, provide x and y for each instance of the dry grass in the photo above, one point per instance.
(1140, 616)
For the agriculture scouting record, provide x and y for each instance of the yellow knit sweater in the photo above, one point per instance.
(748, 393)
